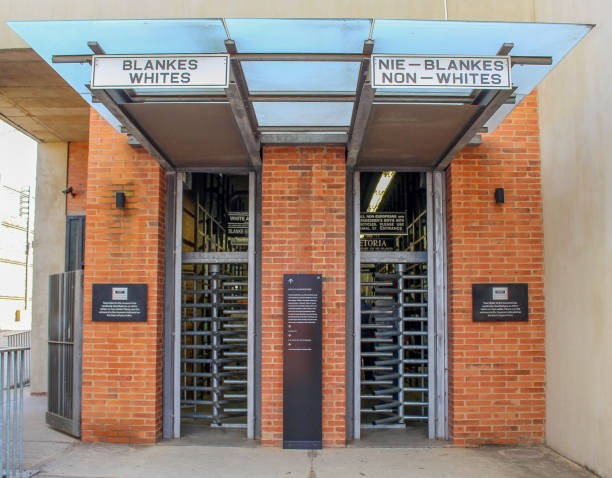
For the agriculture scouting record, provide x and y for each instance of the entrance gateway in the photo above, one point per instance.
(390, 112)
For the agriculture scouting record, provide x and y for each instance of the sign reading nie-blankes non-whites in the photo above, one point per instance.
(409, 71)
(159, 71)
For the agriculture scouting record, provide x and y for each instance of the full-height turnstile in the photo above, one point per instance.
(214, 332)
(394, 342)
(400, 374)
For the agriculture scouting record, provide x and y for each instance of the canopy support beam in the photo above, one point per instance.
(244, 115)
(109, 102)
(500, 97)
(362, 109)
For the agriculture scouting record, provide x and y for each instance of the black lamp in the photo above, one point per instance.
(499, 196)
(119, 200)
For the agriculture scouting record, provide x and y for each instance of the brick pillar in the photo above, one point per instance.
(496, 376)
(304, 231)
(122, 362)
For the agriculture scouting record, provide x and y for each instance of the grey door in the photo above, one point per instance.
(64, 343)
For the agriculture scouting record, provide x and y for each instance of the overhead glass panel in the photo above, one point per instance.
(70, 37)
(481, 38)
(301, 75)
(285, 35)
(303, 114)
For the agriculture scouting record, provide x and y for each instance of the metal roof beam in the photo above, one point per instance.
(107, 100)
(499, 98)
(244, 114)
(362, 109)
(304, 138)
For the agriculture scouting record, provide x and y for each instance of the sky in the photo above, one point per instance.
(17, 158)
(17, 171)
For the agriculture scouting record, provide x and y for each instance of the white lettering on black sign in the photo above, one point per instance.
(407, 71)
(383, 223)
(159, 71)
(237, 224)
(119, 303)
(500, 302)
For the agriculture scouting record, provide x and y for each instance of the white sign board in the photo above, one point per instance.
(410, 71)
(159, 71)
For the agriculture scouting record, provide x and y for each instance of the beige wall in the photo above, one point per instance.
(516, 10)
(49, 247)
(576, 141)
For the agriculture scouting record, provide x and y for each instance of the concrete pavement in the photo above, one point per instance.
(58, 455)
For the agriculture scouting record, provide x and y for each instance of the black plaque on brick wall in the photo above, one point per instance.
(119, 303)
(302, 364)
(500, 302)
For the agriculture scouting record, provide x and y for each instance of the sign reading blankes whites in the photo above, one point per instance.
(159, 71)
(302, 361)
(411, 71)
(119, 303)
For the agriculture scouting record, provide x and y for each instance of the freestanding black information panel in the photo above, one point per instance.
(302, 369)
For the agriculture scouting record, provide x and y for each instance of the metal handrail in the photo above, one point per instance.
(12, 383)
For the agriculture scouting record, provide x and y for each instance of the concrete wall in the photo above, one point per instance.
(517, 10)
(48, 248)
(576, 140)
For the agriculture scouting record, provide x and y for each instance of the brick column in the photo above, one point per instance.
(496, 376)
(122, 362)
(304, 231)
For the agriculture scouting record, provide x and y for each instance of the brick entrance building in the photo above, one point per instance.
(404, 201)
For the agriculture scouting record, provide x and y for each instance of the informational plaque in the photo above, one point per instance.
(383, 223)
(500, 302)
(119, 303)
(302, 364)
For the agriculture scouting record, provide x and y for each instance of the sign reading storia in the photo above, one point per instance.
(408, 71)
(159, 71)
(383, 223)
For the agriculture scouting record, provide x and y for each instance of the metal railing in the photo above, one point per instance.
(17, 340)
(12, 382)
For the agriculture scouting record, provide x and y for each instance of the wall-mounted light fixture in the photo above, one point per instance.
(68, 190)
(499, 196)
(119, 200)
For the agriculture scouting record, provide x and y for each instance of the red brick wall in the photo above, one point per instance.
(497, 369)
(77, 178)
(303, 231)
(122, 362)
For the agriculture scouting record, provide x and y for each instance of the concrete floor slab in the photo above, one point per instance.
(58, 455)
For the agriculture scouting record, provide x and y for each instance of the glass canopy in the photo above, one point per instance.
(300, 37)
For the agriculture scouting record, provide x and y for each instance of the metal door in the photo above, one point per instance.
(65, 344)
